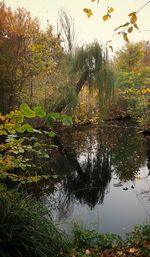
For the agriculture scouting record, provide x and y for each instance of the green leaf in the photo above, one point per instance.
(51, 134)
(52, 117)
(26, 127)
(39, 111)
(67, 120)
(26, 111)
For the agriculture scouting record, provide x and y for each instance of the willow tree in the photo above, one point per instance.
(87, 65)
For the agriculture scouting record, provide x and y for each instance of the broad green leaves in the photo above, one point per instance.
(39, 111)
(67, 120)
(54, 116)
(12, 150)
(26, 111)
(51, 134)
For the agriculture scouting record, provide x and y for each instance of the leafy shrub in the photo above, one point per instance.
(14, 146)
(26, 228)
(90, 238)
(139, 233)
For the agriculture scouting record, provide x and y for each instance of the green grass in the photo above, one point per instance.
(26, 228)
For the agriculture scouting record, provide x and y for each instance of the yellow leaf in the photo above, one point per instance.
(93, 0)
(88, 12)
(2, 117)
(133, 18)
(105, 17)
(130, 29)
(125, 37)
(110, 9)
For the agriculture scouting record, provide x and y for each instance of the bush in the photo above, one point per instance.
(91, 238)
(26, 228)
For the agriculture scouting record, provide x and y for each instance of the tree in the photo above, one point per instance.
(26, 53)
(15, 33)
(89, 65)
(130, 57)
(133, 81)
(66, 30)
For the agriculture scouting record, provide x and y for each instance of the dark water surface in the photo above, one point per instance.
(101, 180)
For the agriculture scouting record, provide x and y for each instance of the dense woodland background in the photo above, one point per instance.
(41, 68)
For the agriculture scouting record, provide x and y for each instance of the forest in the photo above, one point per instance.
(74, 140)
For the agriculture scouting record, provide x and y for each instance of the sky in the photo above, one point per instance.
(94, 28)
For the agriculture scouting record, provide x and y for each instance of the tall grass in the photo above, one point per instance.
(26, 229)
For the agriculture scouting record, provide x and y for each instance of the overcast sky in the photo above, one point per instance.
(89, 29)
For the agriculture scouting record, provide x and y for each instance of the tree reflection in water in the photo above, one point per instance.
(93, 155)
(85, 169)
(88, 179)
(148, 160)
(90, 186)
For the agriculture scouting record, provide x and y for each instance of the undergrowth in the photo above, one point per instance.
(26, 228)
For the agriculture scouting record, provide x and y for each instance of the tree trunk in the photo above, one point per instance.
(79, 86)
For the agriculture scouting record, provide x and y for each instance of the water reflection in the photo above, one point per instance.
(112, 161)
(90, 186)
(148, 160)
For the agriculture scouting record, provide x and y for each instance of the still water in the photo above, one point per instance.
(101, 179)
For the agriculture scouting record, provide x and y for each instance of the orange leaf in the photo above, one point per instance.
(106, 17)
(133, 18)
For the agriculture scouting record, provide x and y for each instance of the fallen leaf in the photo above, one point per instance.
(87, 252)
(133, 250)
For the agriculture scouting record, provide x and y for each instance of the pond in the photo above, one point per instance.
(100, 179)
